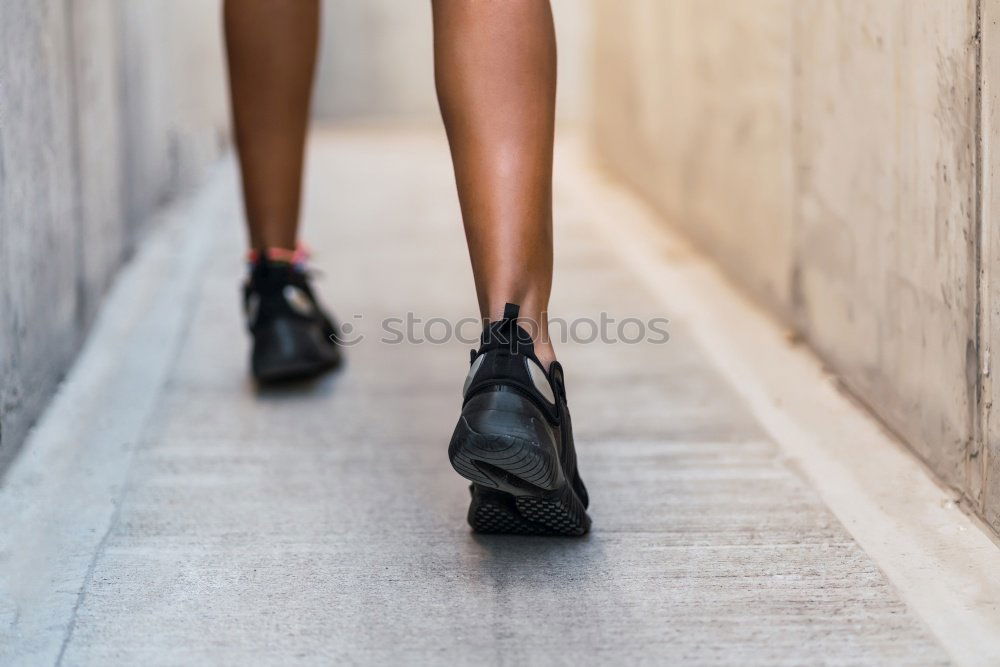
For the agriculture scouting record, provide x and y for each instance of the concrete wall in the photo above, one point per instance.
(377, 60)
(827, 152)
(984, 455)
(108, 108)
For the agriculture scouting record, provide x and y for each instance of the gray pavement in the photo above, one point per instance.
(321, 523)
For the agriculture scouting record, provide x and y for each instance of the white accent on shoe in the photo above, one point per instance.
(472, 373)
(541, 380)
(298, 300)
(252, 309)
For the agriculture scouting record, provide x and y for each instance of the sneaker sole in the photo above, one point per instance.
(518, 483)
(292, 371)
(494, 512)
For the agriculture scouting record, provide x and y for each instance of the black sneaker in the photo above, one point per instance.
(514, 440)
(293, 337)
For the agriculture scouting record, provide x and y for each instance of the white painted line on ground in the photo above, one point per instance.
(946, 568)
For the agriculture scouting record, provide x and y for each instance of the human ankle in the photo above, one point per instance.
(546, 353)
(534, 322)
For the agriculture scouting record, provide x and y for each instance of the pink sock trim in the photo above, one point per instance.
(297, 257)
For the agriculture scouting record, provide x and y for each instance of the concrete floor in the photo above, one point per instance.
(168, 512)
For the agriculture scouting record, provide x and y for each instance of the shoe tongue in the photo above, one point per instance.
(506, 333)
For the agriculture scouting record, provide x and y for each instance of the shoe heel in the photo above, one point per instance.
(502, 441)
(288, 349)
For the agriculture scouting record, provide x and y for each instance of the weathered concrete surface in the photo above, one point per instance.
(322, 523)
(825, 152)
(984, 454)
(693, 107)
(87, 452)
(886, 217)
(97, 118)
(175, 114)
(107, 110)
(943, 561)
(39, 263)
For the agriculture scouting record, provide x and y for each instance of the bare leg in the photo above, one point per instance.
(271, 46)
(495, 66)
